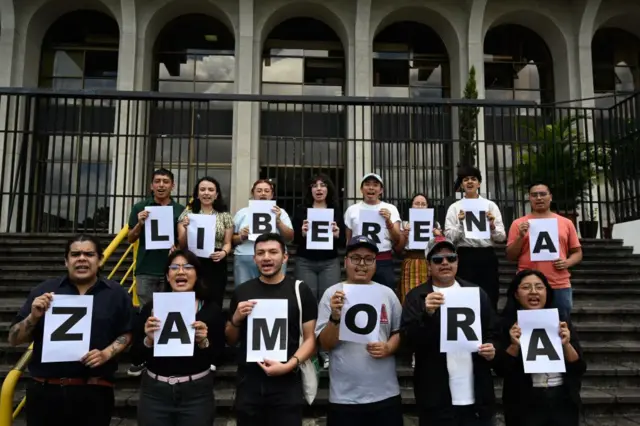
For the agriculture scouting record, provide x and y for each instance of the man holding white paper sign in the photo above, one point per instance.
(567, 254)
(358, 324)
(78, 309)
(379, 221)
(536, 340)
(454, 388)
(474, 225)
(270, 393)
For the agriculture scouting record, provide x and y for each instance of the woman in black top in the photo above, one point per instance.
(546, 399)
(179, 390)
(319, 269)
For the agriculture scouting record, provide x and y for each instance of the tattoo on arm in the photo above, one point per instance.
(119, 345)
(21, 332)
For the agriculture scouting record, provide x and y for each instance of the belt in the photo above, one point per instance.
(66, 381)
(172, 380)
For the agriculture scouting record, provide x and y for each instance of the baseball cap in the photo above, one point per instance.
(372, 176)
(437, 243)
(362, 241)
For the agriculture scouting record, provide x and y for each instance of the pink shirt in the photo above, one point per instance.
(568, 241)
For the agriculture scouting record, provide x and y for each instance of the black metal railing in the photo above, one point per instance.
(78, 160)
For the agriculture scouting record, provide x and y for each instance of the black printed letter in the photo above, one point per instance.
(544, 242)
(155, 232)
(60, 334)
(181, 329)
(260, 328)
(262, 223)
(371, 230)
(320, 231)
(540, 335)
(453, 323)
(421, 231)
(372, 318)
(200, 239)
(480, 223)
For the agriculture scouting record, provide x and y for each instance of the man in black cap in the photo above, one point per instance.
(453, 389)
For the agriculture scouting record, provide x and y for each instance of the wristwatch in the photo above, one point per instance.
(333, 320)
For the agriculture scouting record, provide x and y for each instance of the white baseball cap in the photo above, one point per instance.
(371, 176)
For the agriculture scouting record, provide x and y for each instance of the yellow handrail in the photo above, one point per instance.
(7, 413)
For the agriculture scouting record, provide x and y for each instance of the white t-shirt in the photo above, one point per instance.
(460, 368)
(352, 220)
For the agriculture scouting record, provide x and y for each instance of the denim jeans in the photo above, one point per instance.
(182, 404)
(385, 274)
(245, 269)
(146, 285)
(563, 300)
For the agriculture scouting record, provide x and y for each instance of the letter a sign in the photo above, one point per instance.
(176, 312)
(267, 329)
(67, 328)
(544, 241)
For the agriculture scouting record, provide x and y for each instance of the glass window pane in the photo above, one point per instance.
(68, 64)
(210, 150)
(101, 64)
(175, 86)
(175, 67)
(172, 150)
(283, 70)
(215, 68)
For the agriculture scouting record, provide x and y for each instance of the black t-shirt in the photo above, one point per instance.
(256, 289)
(212, 316)
(299, 216)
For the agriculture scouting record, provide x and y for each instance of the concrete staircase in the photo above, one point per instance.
(606, 314)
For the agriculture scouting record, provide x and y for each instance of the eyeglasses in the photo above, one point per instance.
(438, 258)
(529, 288)
(185, 267)
(368, 260)
(540, 194)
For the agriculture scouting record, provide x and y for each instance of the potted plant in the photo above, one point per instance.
(558, 155)
(589, 228)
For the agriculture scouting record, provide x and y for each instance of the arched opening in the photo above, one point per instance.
(193, 53)
(73, 156)
(517, 65)
(410, 60)
(615, 57)
(302, 56)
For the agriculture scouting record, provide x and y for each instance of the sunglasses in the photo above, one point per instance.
(438, 258)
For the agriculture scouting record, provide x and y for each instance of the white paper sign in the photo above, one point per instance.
(421, 231)
(360, 319)
(262, 220)
(460, 321)
(267, 329)
(544, 241)
(540, 341)
(475, 223)
(201, 234)
(176, 312)
(159, 228)
(67, 328)
(372, 225)
(320, 233)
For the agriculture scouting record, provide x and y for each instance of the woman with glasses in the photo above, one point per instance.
(546, 399)
(244, 268)
(207, 199)
(319, 269)
(178, 391)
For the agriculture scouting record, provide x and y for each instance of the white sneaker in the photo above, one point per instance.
(213, 367)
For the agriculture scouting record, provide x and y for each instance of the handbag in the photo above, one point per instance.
(310, 368)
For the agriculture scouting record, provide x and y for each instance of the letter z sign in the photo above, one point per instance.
(67, 328)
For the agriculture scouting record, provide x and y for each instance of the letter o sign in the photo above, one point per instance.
(372, 318)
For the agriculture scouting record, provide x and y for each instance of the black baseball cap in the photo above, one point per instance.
(362, 241)
(436, 244)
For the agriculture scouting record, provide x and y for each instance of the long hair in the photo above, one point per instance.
(332, 194)
(199, 287)
(218, 204)
(510, 312)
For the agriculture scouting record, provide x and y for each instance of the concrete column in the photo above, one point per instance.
(246, 136)
(359, 158)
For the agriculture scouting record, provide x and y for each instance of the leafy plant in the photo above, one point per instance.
(558, 155)
(469, 122)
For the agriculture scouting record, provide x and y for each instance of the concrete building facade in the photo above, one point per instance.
(543, 51)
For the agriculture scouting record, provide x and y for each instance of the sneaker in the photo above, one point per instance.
(136, 370)
(213, 367)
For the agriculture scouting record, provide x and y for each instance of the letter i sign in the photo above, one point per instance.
(384, 318)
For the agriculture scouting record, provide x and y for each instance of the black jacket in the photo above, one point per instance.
(421, 333)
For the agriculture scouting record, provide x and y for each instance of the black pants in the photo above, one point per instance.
(215, 278)
(53, 405)
(269, 401)
(182, 404)
(453, 416)
(480, 266)
(545, 407)
(385, 274)
(383, 413)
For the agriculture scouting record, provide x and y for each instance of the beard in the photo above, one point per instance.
(272, 274)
